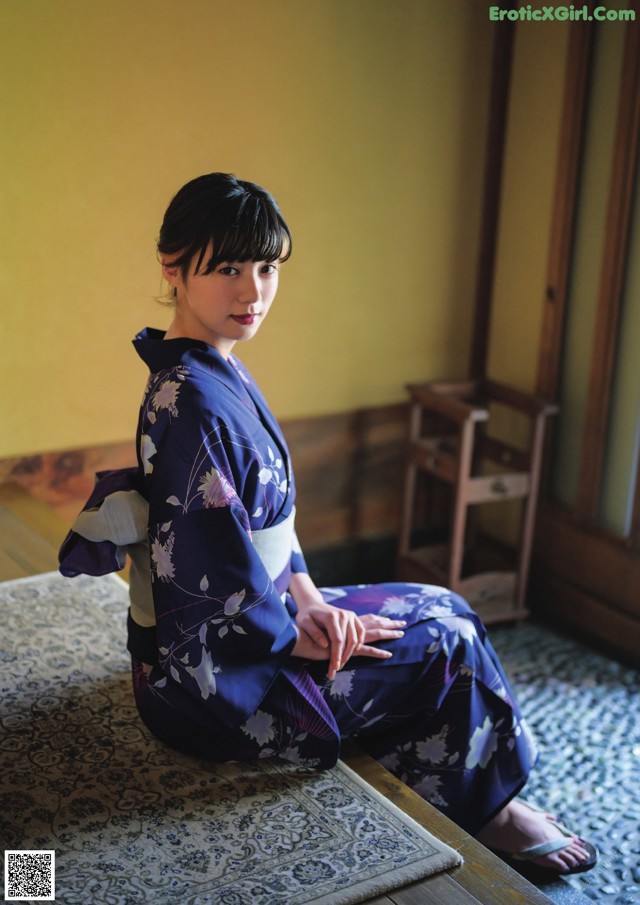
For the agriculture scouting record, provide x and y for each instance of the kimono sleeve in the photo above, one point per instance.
(223, 631)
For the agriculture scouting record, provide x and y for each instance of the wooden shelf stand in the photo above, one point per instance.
(450, 442)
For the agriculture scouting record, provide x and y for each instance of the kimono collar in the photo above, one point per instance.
(160, 355)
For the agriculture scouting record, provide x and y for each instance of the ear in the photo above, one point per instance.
(169, 272)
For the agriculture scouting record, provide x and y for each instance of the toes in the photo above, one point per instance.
(574, 855)
(565, 859)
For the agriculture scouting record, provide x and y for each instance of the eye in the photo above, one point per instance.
(269, 268)
(228, 270)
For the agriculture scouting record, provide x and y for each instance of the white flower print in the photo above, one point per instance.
(396, 605)
(215, 489)
(390, 761)
(161, 558)
(271, 473)
(166, 396)
(329, 594)
(260, 726)
(292, 755)
(433, 750)
(342, 684)
(204, 674)
(482, 745)
(147, 451)
(463, 627)
(440, 610)
(434, 591)
(429, 789)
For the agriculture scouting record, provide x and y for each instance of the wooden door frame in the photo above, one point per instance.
(612, 278)
(585, 575)
(501, 67)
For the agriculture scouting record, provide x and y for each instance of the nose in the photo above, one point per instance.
(250, 288)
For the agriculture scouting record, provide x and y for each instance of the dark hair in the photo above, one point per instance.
(240, 220)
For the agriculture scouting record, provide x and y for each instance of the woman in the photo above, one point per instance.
(236, 654)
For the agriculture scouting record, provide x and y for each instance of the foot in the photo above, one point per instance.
(518, 827)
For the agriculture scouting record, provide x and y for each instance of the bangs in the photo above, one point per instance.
(216, 219)
(257, 233)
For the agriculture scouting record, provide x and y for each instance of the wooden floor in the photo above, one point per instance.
(30, 535)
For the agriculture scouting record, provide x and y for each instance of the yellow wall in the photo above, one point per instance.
(364, 117)
(535, 108)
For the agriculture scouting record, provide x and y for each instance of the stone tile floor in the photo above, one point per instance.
(584, 709)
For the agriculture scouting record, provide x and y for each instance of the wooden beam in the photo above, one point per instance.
(494, 157)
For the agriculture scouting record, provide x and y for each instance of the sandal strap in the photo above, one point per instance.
(539, 851)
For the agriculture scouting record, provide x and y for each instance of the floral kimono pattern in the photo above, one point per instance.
(214, 675)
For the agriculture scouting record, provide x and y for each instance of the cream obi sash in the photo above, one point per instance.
(123, 519)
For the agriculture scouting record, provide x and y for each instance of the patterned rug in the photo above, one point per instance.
(131, 821)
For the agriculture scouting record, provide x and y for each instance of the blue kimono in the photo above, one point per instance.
(211, 624)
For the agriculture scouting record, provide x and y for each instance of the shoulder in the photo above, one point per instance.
(241, 371)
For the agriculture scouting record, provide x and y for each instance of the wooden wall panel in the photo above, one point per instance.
(64, 479)
(586, 616)
(600, 564)
(348, 470)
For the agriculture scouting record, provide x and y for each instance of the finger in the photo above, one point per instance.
(377, 653)
(335, 656)
(373, 620)
(383, 634)
(352, 634)
(354, 637)
(330, 625)
(334, 664)
(316, 633)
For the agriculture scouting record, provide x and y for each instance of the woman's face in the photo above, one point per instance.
(225, 306)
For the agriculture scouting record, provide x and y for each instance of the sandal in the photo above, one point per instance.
(522, 861)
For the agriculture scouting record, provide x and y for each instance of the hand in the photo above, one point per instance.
(381, 628)
(326, 632)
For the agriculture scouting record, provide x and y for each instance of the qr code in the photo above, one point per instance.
(29, 875)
